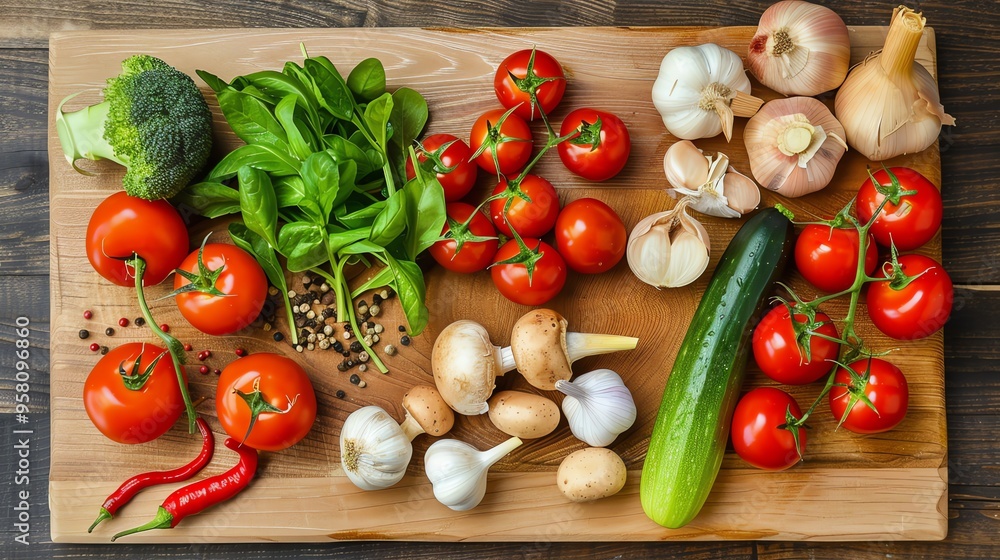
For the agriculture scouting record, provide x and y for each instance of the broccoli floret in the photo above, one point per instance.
(154, 121)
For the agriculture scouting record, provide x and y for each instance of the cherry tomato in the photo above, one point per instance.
(530, 219)
(512, 280)
(780, 352)
(285, 391)
(122, 225)
(757, 436)
(474, 255)
(882, 384)
(136, 413)
(455, 172)
(515, 91)
(918, 309)
(590, 236)
(241, 290)
(827, 257)
(600, 147)
(513, 151)
(910, 223)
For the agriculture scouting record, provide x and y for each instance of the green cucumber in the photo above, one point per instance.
(692, 425)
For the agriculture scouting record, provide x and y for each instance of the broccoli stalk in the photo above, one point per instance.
(154, 121)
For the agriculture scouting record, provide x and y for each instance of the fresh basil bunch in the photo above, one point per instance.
(317, 179)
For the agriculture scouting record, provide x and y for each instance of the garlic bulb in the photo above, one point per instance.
(800, 49)
(458, 470)
(700, 89)
(794, 145)
(374, 450)
(889, 104)
(715, 188)
(668, 249)
(598, 406)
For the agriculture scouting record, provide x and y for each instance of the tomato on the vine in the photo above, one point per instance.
(908, 221)
(827, 257)
(530, 219)
(590, 236)
(449, 158)
(779, 346)
(473, 255)
(513, 85)
(600, 147)
(275, 390)
(220, 289)
(124, 225)
(513, 280)
(916, 300)
(511, 140)
(759, 434)
(132, 394)
(870, 397)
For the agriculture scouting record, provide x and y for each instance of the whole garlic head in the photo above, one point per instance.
(668, 249)
(457, 470)
(598, 406)
(374, 451)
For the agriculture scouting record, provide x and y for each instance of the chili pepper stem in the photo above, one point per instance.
(163, 520)
(104, 514)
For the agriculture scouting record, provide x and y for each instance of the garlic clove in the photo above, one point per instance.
(685, 165)
(690, 259)
(598, 406)
(742, 194)
(374, 450)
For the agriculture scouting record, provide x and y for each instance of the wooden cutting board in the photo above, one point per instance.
(851, 487)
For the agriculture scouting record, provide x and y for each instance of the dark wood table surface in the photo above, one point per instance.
(968, 43)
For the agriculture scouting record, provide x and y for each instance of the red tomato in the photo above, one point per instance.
(780, 352)
(590, 236)
(133, 414)
(757, 436)
(827, 257)
(285, 391)
(455, 171)
(241, 286)
(917, 309)
(512, 280)
(910, 223)
(600, 147)
(474, 255)
(515, 91)
(530, 219)
(514, 137)
(122, 225)
(882, 384)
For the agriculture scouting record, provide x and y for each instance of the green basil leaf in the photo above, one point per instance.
(362, 247)
(367, 80)
(289, 191)
(297, 140)
(209, 199)
(377, 118)
(364, 216)
(216, 83)
(321, 176)
(408, 118)
(383, 277)
(391, 221)
(408, 280)
(302, 244)
(335, 95)
(255, 245)
(258, 203)
(348, 181)
(258, 156)
(337, 240)
(343, 150)
(425, 209)
(251, 120)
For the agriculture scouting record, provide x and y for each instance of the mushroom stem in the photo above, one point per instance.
(411, 427)
(581, 345)
(505, 359)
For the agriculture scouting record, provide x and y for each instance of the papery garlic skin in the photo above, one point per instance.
(374, 451)
(715, 188)
(598, 407)
(699, 89)
(668, 249)
(794, 145)
(889, 104)
(457, 470)
(800, 48)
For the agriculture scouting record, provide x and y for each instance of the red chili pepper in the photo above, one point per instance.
(139, 482)
(198, 496)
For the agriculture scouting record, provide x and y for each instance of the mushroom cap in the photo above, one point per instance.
(539, 347)
(464, 362)
(424, 404)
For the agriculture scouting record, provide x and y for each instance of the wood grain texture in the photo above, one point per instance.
(903, 472)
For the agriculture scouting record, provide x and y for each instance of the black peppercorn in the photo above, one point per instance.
(109, 331)
(104, 350)
(338, 346)
(405, 341)
(84, 334)
(340, 394)
(401, 328)
(311, 323)
(356, 346)
(355, 379)
(346, 353)
(342, 366)
(376, 299)
(139, 321)
(278, 337)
